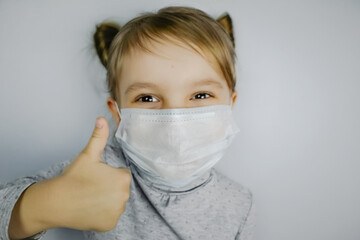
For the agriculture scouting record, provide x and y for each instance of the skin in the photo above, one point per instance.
(174, 77)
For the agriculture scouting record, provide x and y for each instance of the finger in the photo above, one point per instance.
(99, 138)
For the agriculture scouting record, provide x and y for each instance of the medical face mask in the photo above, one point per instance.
(173, 147)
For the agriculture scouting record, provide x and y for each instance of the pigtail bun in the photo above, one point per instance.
(226, 22)
(103, 36)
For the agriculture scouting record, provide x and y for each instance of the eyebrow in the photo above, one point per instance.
(139, 85)
(145, 85)
(208, 81)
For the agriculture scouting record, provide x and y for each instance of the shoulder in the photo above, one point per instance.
(235, 194)
(113, 156)
(230, 185)
(235, 201)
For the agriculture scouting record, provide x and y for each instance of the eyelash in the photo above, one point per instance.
(202, 93)
(138, 99)
(141, 97)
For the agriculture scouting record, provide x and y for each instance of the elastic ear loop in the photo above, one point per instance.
(117, 109)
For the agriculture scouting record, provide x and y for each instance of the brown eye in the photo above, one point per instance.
(201, 96)
(147, 98)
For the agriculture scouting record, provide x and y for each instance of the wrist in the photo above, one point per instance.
(47, 198)
(38, 205)
(28, 215)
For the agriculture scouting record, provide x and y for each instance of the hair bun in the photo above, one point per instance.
(226, 22)
(103, 36)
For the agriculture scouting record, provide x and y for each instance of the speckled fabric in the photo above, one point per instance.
(212, 207)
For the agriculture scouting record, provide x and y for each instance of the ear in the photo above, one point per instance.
(233, 98)
(226, 22)
(112, 108)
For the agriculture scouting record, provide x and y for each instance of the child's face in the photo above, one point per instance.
(176, 77)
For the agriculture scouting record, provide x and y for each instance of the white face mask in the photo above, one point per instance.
(173, 147)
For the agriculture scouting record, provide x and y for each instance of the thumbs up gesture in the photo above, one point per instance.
(93, 194)
(87, 195)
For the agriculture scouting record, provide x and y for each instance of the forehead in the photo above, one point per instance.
(168, 59)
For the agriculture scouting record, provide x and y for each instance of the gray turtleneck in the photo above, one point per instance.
(212, 207)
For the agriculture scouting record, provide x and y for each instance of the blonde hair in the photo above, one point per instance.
(190, 26)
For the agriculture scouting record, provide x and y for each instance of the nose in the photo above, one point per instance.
(174, 101)
(171, 105)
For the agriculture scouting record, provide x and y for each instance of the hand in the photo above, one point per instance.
(92, 195)
(88, 195)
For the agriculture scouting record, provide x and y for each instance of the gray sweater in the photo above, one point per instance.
(212, 207)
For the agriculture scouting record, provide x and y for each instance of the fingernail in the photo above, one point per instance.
(98, 123)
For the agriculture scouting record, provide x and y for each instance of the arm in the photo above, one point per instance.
(14, 198)
(87, 195)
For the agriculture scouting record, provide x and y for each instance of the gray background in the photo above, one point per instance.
(298, 105)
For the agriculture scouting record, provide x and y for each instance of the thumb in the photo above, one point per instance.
(98, 139)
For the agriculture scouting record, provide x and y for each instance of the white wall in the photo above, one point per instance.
(298, 105)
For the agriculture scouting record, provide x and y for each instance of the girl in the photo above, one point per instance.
(171, 80)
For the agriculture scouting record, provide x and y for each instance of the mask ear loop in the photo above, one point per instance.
(117, 108)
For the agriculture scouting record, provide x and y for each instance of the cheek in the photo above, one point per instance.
(124, 101)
